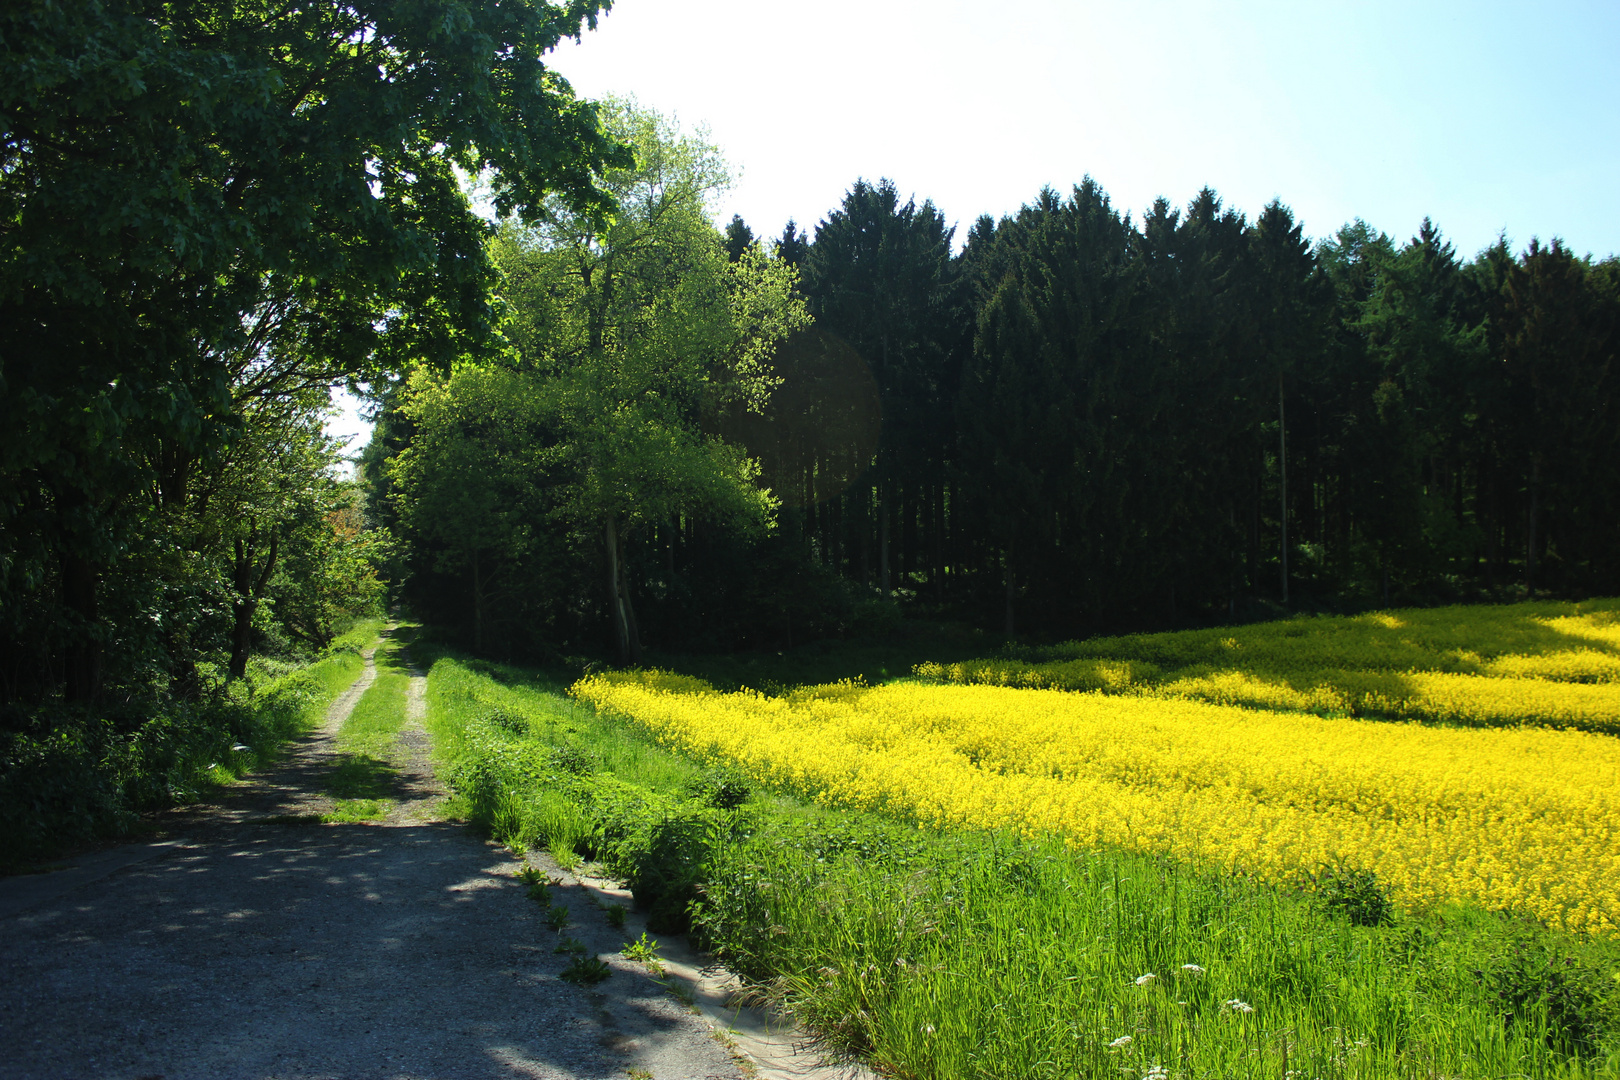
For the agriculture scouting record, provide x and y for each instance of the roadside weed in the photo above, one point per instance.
(644, 950)
(349, 811)
(585, 971)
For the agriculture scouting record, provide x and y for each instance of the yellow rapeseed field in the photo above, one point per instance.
(1548, 664)
(1519, 818)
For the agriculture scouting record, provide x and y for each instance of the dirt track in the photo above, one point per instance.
(258, 949)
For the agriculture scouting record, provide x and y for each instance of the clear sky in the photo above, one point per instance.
(1486, 116)
(1489, 117)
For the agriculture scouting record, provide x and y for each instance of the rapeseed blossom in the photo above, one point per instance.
(1547, 664)
(1523, 819)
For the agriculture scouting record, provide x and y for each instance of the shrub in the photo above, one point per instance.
(1356, 895)
(71, 778)
(722, 788)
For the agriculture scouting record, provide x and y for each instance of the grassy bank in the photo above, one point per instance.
(76, 779)
(970, 954)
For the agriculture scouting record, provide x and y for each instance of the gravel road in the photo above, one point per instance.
(251, 948)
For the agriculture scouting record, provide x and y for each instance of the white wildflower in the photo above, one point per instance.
(1192, 969)
(1147, 980)
(1120, 1043)
(1157, 1072)
(1237, 1006)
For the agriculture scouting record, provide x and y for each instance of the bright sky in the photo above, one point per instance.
(1490, 117)
(1487, 116)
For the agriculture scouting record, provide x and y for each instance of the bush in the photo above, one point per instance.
(72, 778)
(1541, 986)
(1356, 895)
(721, 788)
(60, 790)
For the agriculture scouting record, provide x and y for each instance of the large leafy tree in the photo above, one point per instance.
(630, 335)
(474, 483)
(190, 189)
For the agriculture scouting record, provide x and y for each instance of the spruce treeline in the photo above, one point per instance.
(1084, 422)
(1094, 423)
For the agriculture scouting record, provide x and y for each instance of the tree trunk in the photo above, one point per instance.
(883, 534)
(1535, 512)
(1282, 465)
(1011, 592)
(626, 634)
(937, 495)
(1254, 529)
(1485, 500)
(863, 531)
(82, 684)
(249, 589)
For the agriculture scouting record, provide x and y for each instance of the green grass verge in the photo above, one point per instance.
(973, 955)
(363, 781)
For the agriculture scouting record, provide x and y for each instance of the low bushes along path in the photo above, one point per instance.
(265, 944)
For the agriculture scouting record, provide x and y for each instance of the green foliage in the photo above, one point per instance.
(75, 780)
(628, 333)
(722, 788)
(359, 777)
(1545, 990)
(572, 760)
(1356, 895)
(644, 950)
(214, 212)
(353, 811)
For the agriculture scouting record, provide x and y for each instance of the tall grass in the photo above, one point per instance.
(515, 746)
(981, 956)
(938, 954)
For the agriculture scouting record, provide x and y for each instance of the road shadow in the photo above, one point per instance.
(327, 950)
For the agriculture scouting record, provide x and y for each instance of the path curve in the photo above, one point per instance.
(261, 949)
